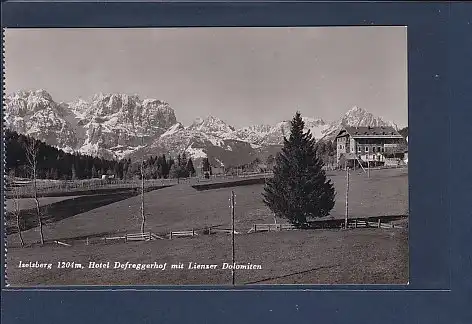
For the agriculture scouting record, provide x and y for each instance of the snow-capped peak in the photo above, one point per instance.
(31, 95)
(355, 109)
(173, 129)
(211, 124)
(198, 121)
(357, 116)
(310, 122)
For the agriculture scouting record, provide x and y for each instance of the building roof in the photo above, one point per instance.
(381, 131)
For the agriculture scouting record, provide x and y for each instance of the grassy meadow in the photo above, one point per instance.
(291, 257)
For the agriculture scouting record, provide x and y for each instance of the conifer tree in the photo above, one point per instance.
(179, 160)
(190, 167)
(270, 160)
(165, 167)
(184, 172)
(74, 174)
(174, 171)
(299, 189)
(183, 160)
(125, 169)
(206, 165)
(118, 170)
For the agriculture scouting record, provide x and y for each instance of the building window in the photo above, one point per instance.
(367, 149)
(359, 149)
(373, 149)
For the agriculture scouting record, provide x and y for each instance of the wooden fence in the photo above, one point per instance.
(62, 243)
(112, 238)
(25, 187)
(146, 236)
(221, 230)
(271, 227)
(366, 224)
(173, 234)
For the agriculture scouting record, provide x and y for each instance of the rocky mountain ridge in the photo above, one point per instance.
(116, 126)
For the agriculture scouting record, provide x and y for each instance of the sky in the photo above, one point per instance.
(244, 76)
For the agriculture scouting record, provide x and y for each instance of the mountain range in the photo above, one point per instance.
(115, 126)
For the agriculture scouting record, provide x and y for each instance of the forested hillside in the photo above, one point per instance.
(53, 163)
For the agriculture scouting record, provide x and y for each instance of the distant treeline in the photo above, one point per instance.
(53, 163)
(326, 150)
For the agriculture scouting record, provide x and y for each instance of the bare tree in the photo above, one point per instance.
(32, 149)
(143, 215)
(17, 213)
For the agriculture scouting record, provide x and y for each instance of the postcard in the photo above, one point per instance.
(206, 156)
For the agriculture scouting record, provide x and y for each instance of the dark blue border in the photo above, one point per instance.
(440, 177)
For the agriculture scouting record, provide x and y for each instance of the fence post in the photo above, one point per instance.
(378, 223)
(355, 223)
(347, 198)
(170, 235)
(232, 236)
(193, 232)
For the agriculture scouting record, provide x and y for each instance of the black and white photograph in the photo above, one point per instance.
(206, 156)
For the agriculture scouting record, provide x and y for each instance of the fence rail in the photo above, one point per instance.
(138, 237)
(62, 243)
(113, 238)
(223, 230)
(146, 236)
(271, 227)
(25, 187)
(367, 224)
(182, 233)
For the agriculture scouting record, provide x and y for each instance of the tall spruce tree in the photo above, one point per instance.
(184, 172)
(190, 167)
(299, 188)
(165, 167)
(74, 173)
(183, 160)
(174, 171)
(206, 165)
